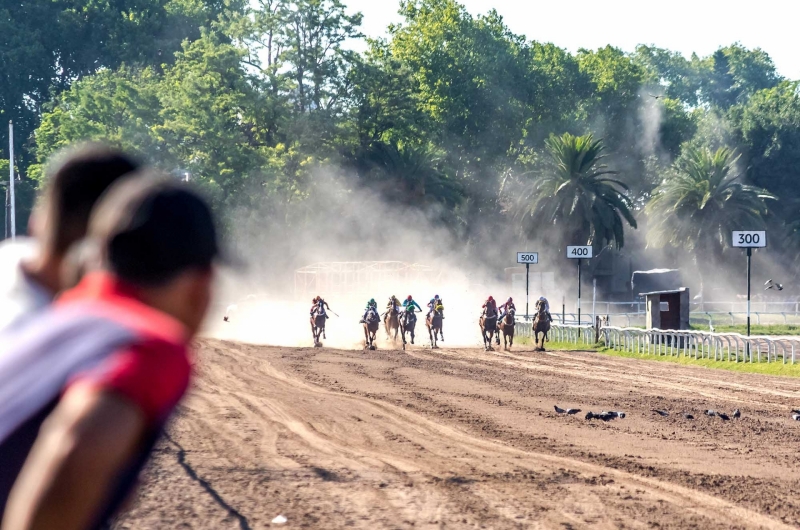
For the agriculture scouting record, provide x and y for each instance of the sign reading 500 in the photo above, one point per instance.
(529, 258)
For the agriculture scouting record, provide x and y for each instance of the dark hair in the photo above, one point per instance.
(151, 228)
(76, 179)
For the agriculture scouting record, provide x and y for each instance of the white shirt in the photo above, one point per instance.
(20, 296)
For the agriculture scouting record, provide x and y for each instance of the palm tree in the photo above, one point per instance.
(701, 201)
(576, 194)
(417, 174)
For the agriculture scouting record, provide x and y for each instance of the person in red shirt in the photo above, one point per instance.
(87, 386)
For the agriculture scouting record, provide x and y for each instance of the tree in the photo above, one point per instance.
(768, 129)
(417, 174)
(734, 73)
(701, 201)
(576, 196)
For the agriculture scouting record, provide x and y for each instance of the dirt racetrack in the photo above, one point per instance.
(461, 438)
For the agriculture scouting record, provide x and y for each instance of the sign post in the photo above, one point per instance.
(527, 258)
(579, 253)
(11, 179)
(749, 239)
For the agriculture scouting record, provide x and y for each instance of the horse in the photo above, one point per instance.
(541, 324)
(506, 325)
(318, 326)
(391, 321)
(434, 323)
(371, 325)
(408, 321)
(488, 324)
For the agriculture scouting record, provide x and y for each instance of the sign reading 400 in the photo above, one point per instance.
(529, 258)
(579, 252)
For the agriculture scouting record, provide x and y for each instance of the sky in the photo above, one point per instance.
(685, 26)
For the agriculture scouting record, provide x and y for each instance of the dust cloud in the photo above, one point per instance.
(345, 221)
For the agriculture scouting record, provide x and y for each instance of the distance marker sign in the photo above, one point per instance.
(579, 252)
(750, 239)
(528, 258)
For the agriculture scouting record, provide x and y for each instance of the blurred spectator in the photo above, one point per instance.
(30, 269)
(87, 385)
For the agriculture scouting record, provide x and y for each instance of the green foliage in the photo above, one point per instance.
(251, 98)
(577, 196)
(702, 200)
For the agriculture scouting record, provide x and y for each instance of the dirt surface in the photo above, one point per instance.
(462, 438)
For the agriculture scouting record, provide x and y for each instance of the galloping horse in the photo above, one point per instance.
(391, 321)
(541, 324)
(434, 323)
(371, 325)
(318, 325)
(408, 321)
(507, 327)
(488, 324)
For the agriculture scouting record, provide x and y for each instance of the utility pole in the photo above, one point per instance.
(11, 179)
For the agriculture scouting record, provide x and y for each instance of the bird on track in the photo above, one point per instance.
(663, 413)
(688, 416)
(559, 410)
(796, 416)
(723, 416)
(796, 411)
(711, 413)
(737, 414)
(573, 411)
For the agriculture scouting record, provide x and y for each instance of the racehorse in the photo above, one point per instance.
(408, 321)
(318, 325)
(434, 323)
(541, 324)
(488, 324)
(371, 325)
(391, 321)
(507, 327)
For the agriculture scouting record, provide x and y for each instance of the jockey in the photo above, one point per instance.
(435, 301)
(393, 305)
(546, 307)
(505, 308)
(319, 306)
(490, 307)
(371, 305)
(409, 302)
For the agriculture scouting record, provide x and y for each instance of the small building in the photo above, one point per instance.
(667, 309)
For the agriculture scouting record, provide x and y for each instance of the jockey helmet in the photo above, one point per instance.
(510, 300)
(491, 299)
(314, 301)
(433, 300)
(436, 297)
(371, 301)
(410, 298)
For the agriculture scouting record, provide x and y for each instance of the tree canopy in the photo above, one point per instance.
(451, 113)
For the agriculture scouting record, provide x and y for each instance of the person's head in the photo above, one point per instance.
(436, 297)
(410, 298)
(510, 300)
(491, 299)
(159, 236)
(74, 181)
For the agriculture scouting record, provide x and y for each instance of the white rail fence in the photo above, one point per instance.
(732, 347)
(571, 333)
(701, 344)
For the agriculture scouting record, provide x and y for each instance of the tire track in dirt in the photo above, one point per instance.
(448, 438)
